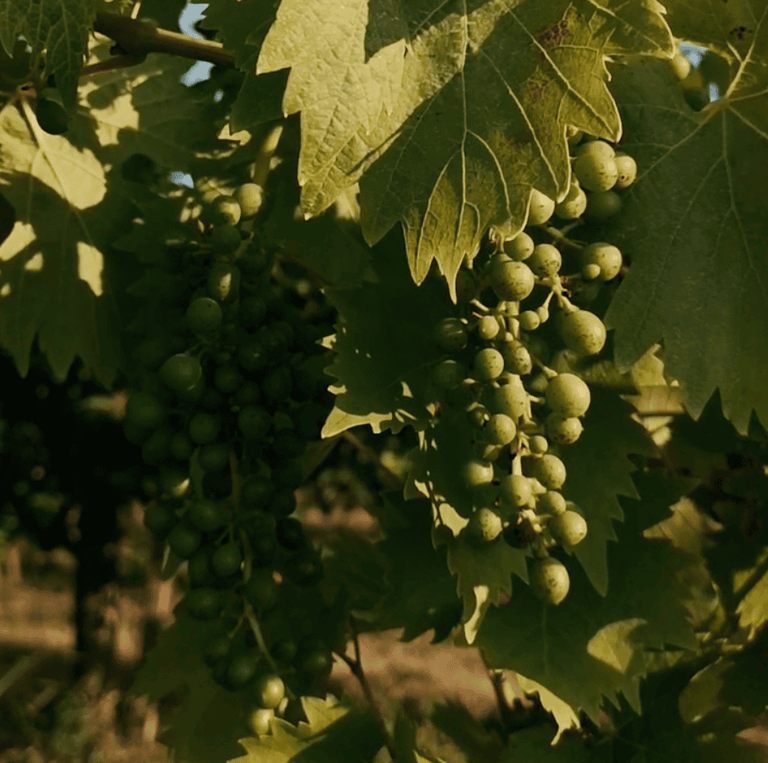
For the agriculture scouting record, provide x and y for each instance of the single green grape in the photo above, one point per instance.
(204, 316)
(627, 168)
(448, 374)
(250, 197)
(181, 372)
(591, 271)
(571, 209)
(260, 719)
(160, 519)
(511, 398)
(538, 444)
(513, 281)
(488, 364)
(517, 490)
(254, 422)
(551, 502)
(567, 395)
(602, 205)
(680, 65)
(226, 560)
(478, 415)
(451, 335)
(225, 239)
(260, 589)
(204, 603)
(204, 427)
(517, 358)
(488, 327)
(568, 528)
(145, 410)
(242, 670)
(583, 333)
(595, 173)
(174, 480)
(545, 260)
(478, 472)
(269, 690)
(184, 539)
(529, 320)
(520, 247)
(598, 148)
(484, 526)
(550, 471)
(563, 431)
(540, 208)
(227, 378)
(224, 210)
(224, 282)
(500, 429)
(549, 580)
(543, 312)
(207, 516)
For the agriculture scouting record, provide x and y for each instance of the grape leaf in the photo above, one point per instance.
(210, 718)
(699, 270)
(598, 471)
(58, 28)
(384, 349)
(592, 646)
(453, 123)
(335, 732)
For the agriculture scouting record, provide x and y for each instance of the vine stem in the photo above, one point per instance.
(356, 666)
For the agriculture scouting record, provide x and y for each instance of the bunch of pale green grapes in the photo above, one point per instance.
(229, 375)
(524, 412)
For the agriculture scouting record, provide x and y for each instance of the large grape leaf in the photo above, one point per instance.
(593, 646)
(450, 113)
(336, 732)
(384, 349)
(57, 27)
(693, 228)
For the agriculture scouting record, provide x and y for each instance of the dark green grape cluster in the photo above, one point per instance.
(229, 390)
(513, 308)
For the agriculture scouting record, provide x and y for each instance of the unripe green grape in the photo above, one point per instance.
(242, 670)
(567, 395)
(225, 239)
(184, 539)
(550, 471)
(253, 310)
(217, 650)
(543, 312)
(597, 148)
(571, 209)
(204, 316)
(680, 65)
(249, 196)
(563, 431)
(601, 206)
(181, 372)
(204, 428)
(204, 603)
(484, 526)
(511, 399)
(259, 721)
(226, 560)
(512, 280)
(517, 359)
(488, 364)
(160, 519)
(591, 271)
(227, 378)
(451, 335)
(206, 516)
(261, 590)
(549, 580)
(224, 210)
(627, 168)
(488, 327)
(545, 260)
(517, 490)
(538, 444)
(551, 502)
(478, 472)
(573, 134)
(529, 320)
(583, 333)
(224, 282)
(500, 429)
(478, 415)
(448, 374)
(466, 287)
(595, 173)
(573, 189)
(157, 447)
(488, 451)
(213, 457)
(520, 247)
(568, 528)
(269, 690)
(540, 208)
(254, 422)
(174, 481)
(145, 411)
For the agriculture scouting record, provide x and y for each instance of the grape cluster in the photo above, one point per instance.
(494, 366)
(229, 389)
